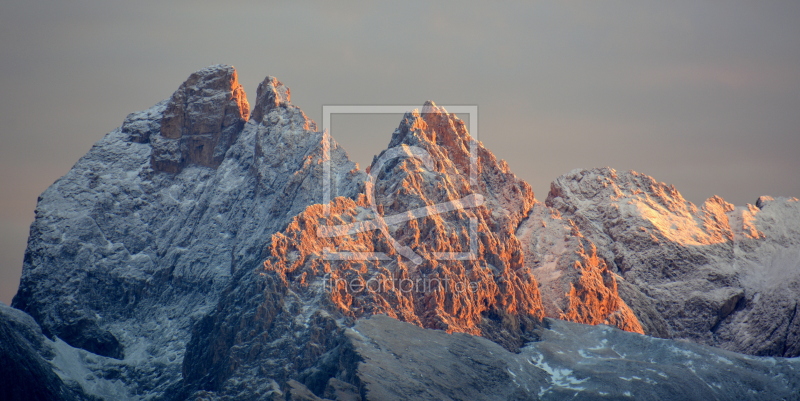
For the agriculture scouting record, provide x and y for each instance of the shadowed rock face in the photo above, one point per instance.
(398, 361)
(718, 275)
(123, 258)
(188, 255)
(25, 374)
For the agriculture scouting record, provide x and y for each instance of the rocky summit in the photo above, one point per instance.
(204, 250)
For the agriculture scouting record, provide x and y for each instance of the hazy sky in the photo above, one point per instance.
(702, 95)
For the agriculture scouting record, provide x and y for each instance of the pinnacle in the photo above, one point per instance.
(429, 104)
(201, 120)
(271, 93)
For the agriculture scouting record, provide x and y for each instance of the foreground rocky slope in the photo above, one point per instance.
(188, 255)
(569, 361)
(26, 372)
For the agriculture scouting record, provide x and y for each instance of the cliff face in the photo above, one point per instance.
(26, 373)
(310, 281)
(719, 275)
(126, 254)
(200, 122)
(189, 255)
(576, 284)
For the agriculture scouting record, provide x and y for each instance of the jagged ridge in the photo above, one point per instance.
(152, 246)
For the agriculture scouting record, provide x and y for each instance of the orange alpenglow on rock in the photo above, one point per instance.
(496, 294)
(201, 121)
(194, 250)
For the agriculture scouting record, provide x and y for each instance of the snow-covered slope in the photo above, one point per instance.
(719, 275)
(568, 362)
(188, 255)
(135, 243)
(274, 323)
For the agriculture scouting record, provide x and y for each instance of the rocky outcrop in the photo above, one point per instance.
(25, 373)
(270, 94)
(694, 273)
(200, 121)
(334, 265)
(381, 358)
(576, 284)
(123, 258)
(188, 255)
(569, 361)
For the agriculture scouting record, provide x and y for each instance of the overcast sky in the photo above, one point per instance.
(702, 95)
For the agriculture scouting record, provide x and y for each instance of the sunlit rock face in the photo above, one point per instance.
(200, 121)
(576, 284)
(719, 274)
(307, 284)
(125, 255)
(190, 255)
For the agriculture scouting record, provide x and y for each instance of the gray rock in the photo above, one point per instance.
(126, 252)
(400, 361)
(179, 259)
(25, 373)
(718, 275)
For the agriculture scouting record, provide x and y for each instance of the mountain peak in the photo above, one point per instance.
(191, 254)
(438, 131)
(430, 107)
(271, 93)
(201, 120)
